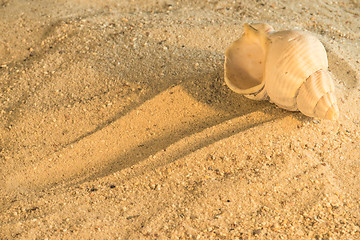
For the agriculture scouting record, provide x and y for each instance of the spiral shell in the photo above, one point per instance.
(289, 68)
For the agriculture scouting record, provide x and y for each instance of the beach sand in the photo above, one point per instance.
(116, 123)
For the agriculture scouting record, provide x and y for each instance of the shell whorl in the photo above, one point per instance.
(316, 96)
(292, 57)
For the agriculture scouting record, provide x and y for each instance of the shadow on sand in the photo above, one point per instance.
(203, 110)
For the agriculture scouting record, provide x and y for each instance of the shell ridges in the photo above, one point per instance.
(317, 95)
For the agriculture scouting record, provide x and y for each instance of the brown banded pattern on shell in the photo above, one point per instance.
(288, 67)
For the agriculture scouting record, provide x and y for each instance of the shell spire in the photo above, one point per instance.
(316, 97)
(290, 68)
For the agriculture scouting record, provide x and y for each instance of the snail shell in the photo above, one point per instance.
(289, 68)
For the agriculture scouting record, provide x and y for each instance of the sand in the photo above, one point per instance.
(116, 123)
